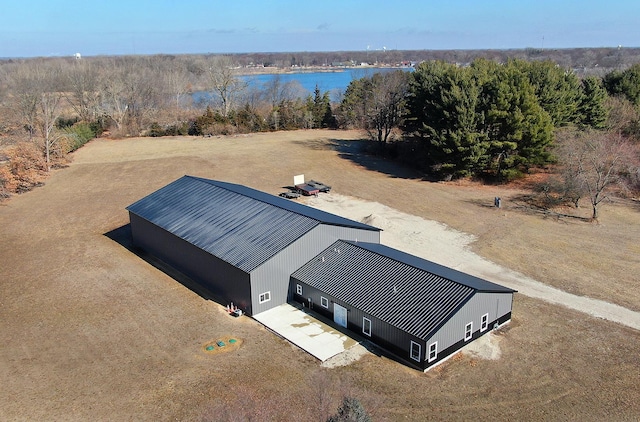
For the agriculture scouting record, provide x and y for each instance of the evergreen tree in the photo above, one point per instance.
(355, 103)
(519, 128)
(592, 110)
(320, 108)
(557, 89)
(626, 83)
(472, 120)
(454, 128)
(443, 114)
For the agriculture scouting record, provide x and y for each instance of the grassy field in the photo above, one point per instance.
(92, 331)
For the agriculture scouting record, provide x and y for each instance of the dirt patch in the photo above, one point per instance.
(92, 330)
(349, 356)
(486, 347)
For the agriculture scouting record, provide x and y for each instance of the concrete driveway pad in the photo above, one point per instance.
(308, 333)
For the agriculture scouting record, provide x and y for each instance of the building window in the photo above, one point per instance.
(366, 326)
(324, 302)
(484, 323)
(415, 351)
(299, 289)
(433, 351)
(468, 331)
(265, 297)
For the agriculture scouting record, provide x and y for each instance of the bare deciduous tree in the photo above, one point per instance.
(276, 91)
(83, 92)
(594, 162)
(37, 98)
(377, 103)
(222, 79)
(26, 94)
(114, 101)
(129, 93)
(49, 111)
(387, 102)
(177, 81)
(623, 117)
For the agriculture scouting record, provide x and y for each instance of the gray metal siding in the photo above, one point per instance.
(403, 300)
(401, 295)
(494, 304)
(254, 232)
(383, 334)
(240, 225)
(238, 229)
(274, 274)
(226, 282)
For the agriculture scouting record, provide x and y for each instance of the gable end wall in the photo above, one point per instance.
(273, 275)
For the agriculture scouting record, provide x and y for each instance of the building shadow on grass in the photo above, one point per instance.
(122, 236)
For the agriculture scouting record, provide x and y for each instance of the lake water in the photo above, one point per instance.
(326, 81)
(335, 82)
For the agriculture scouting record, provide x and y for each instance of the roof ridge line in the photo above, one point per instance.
(224, 185)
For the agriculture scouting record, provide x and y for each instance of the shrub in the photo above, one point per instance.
(7, 182)
(210, 123)
(64, 122)
(176, 129)
(350, 410)
(27, 166)
(155, 130)
(78, 135)
(248, 120)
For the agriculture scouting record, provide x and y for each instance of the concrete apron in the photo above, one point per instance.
(308, 333)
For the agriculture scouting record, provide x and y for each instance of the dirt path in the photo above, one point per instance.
(439, 243)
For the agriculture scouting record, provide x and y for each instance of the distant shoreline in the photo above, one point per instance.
(247, 71)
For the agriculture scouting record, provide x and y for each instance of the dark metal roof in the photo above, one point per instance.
(407, 292)
(476, 283)
(240, 225)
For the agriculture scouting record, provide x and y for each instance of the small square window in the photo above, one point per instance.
(468, 331)
(366, 326)
(265, 297)
(433, 351)
(299, 289)
(484, 323)
(415, 351)
(324, 302)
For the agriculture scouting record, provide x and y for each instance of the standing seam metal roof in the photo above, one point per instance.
(398, 288)
(239, 225)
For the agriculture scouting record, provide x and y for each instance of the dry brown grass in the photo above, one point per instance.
(91, 331)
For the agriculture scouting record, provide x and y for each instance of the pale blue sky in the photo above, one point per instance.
(113, 27)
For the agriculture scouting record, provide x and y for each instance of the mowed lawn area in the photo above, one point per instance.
(93, 330)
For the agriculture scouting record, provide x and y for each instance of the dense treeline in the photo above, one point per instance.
(596, 61)
(53, 106)
(487, 118)
(496, 121)
(491, 118)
